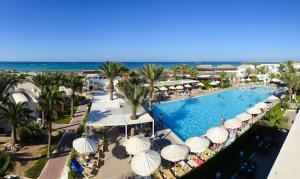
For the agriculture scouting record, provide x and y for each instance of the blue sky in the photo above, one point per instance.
(143, 30)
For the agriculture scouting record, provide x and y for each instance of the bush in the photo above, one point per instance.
(24, 134)
(80, 130)
(37, 133)
(5, 162)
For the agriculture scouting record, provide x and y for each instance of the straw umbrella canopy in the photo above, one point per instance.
(179, 87)
(244, 116)
(254, 111)
(145, 163)
(217, 135)
(172, 88)
(175, 152)
(136, 145)
(163, 88)
(233, 123)
(272, 99)
(187, 86)
(197, 144)
(261, 105)
(85, 145)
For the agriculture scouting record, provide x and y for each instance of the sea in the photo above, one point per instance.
(82, 66)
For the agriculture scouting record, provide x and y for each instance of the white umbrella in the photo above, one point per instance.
(136, 144)
(187, 86)
(272, 99)
(233, 123)
(85, 145)
(254, 110)
(163, 88)
(197, 144)
(261, 105)
(172, 88)
(175, 152)
(243, 80)
(217, 135)
(244, 116)
(145, 163)
(217, 82)
(179, 87)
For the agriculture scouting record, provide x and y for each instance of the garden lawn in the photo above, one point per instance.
(66, 119)
(36, 169)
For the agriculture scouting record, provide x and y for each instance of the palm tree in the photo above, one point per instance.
(134, 93)
(248, 71)
(14, 114)
(53, 99)
(184, 68)
(110, 70)
(152, 74)
(193, 72)
(76, 84)
(255, 64)
(174, 69)
(42, 80)
(291, 79)
(262, 70)
(223, 76)
(281, 68)
(290, 66)
(274, 118)
(6, 82)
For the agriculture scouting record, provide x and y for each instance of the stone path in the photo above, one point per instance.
(55, 165)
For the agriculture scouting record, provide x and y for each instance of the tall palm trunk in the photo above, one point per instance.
(151, 88)
(72, 105)
(290, 97)
(111, 89)
(13, 134)
(43, 118)
(49, 139)
(133, 114)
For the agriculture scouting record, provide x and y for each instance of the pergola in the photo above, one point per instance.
(104, 113)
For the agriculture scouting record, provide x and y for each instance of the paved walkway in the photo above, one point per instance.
(55, 165)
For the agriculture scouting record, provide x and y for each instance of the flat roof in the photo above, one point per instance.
(116, 112)
(288, 160)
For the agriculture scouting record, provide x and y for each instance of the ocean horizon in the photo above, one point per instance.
(24, 66)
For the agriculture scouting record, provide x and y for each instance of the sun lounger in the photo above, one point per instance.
(204, 156)
(87, 172)
(185, 166)
(76, 166)
(167, 174)
(157, 175)
(192, 163)
(178, 171)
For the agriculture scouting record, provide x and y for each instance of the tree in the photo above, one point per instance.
(134, 93)
(110, 70)
(223, 76)
(175, 70)
(274, 118)
(184, 68)
(53, 99)
(6, 82)
(76, 84)
(255, 64)
(42, 80)
(193, 72)
(248, 71)
(262, 69)
(152, 74)
(281, 68)
(291, 79)
(14, 114)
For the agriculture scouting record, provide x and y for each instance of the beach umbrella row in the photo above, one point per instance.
(254, 110)
(244, 116)
(233, 123)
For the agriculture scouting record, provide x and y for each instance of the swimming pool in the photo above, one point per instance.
(193, 117)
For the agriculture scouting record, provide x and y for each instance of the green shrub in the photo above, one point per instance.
(37, 133)
(80, 130)
(24, 134)
(5, 161)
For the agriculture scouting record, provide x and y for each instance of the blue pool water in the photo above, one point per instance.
(193, 117)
